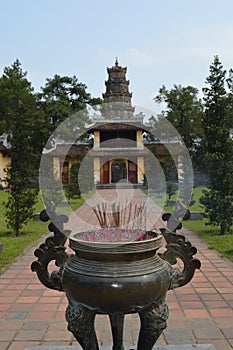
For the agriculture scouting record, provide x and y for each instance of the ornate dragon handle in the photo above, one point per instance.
(52, 249)
(178, 247)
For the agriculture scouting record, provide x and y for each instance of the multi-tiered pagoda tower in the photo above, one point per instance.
(118, 146)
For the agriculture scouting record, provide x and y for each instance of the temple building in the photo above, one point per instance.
(116, 146)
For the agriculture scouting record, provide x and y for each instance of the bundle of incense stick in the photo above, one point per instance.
(124, 216)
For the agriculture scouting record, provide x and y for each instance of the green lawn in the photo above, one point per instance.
(14, 246)
(223, 244)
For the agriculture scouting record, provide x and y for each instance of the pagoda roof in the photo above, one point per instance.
(117, 125)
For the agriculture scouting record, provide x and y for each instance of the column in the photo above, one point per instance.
(96, 139)
(140, 162)
(96, 170)
(56, 167)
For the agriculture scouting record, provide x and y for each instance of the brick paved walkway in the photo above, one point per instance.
(201, 312)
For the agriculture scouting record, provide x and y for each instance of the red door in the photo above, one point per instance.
(106, 173)
(132, 174)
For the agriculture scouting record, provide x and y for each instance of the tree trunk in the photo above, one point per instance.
(223, 228)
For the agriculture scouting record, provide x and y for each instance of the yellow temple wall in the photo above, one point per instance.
(4, 162)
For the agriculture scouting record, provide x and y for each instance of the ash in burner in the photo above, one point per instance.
(109, 235)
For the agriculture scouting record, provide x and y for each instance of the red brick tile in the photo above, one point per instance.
(45, 307)
(30, 293)
(21, 345)
(217, 280)
(221, 312)
(62, 307)
(212, 275)
(222, 284)
(29, 335)
(228, 297)
(202, 285)
(191, 305)
(173, 305)
(9, 274)
(223, 322)
(25, 276)
(184, 290)
(57, 325)
(30, 325)
(51, 293)
(7, 300)
(13, 325)
(3, 286)
(176, 314)
(4, 345)
(4, 307)
(55, 335)
(220, 344)
(15, 287)
(207, 333)
(60, 316)
(50, 300)
(7, 335)
(227, 332)
(196, 313)
(171, 296)
(212, 296)
(58, 343)
(201, 323)
(23, 281)
(27, 300)
(205, 290)
(223, 290)
(188, 297)
(4, 281)
(213, 304)
(21, 307)
(10, 293)
(35, 286)
(46, 315)
(173, 323)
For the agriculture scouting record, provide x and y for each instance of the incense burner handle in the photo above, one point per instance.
(53, 249)
(179, 248)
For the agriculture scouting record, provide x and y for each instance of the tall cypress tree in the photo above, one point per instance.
(18, 111)
(218, 146)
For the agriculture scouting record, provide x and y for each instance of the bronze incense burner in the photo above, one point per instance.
(114, 276)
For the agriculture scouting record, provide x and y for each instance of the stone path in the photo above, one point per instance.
(200, 313)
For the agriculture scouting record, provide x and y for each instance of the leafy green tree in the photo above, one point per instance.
(184, 111)
(62, 97)
(73, 185)
(170, 173)
(18, 110)
(218, 146)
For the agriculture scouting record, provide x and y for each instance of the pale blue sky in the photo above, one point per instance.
(160, 41)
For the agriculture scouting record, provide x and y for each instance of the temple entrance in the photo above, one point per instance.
(118, 171)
